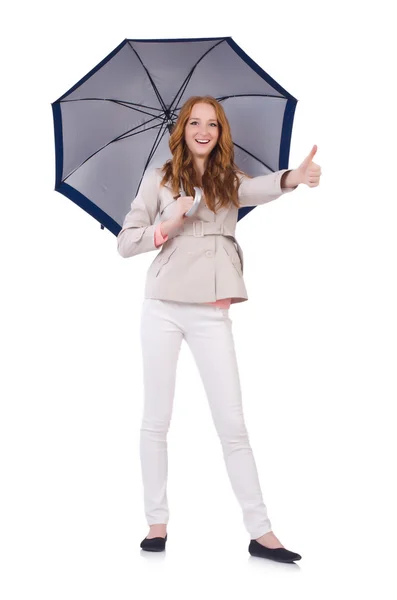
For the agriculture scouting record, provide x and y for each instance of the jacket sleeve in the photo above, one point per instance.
(264, 188)
(137, 233)
(159, 237)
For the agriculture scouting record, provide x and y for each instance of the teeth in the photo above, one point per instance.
(202, 141)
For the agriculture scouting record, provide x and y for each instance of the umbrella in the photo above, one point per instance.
(114, 123)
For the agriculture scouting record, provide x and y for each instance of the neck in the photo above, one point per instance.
(199, 164)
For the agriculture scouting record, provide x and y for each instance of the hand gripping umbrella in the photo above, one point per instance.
(115, 122)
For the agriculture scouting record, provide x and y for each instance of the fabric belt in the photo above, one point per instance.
(200, 228)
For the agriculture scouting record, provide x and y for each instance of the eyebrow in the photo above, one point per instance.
(197, 119)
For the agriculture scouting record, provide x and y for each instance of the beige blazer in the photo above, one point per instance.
(201, 261)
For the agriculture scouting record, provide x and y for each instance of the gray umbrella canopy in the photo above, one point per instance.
(114, 123)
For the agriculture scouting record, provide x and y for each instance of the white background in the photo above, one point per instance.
(316, 341)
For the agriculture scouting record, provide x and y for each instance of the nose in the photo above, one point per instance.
(204, 131)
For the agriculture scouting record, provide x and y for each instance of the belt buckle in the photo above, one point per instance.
(194, 229)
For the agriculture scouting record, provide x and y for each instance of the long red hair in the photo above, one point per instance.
(220, 181)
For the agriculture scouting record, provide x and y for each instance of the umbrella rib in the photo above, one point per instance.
(249, 96)
(253, 156)
(133, 107)
(150, 79)
(122, 103)
(188, 77)
(122, 136)
(153, 150)
(182, 89)
(127, 134)
(151, 153)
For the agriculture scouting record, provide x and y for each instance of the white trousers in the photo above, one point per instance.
(207, 330)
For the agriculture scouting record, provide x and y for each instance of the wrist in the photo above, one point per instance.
(177, 222)
(291, 179)
(171, 225)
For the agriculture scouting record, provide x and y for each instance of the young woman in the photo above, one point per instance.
(190, 286)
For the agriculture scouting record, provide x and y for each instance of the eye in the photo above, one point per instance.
(214, 124)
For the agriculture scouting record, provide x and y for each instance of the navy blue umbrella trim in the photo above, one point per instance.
(86, 204)
(94, 70)
(286, 133)
(56, 112)
(289, 112)
(179, 40)
(255, 67)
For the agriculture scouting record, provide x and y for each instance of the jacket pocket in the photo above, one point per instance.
(163, 259)
(235, 261)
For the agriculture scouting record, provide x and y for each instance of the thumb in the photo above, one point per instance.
(309, 158)
(312, 153)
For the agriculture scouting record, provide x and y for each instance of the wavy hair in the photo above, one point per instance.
(220, 181)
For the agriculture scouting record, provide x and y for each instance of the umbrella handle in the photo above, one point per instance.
(197, 199)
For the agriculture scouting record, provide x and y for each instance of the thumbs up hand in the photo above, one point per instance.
(309, 172)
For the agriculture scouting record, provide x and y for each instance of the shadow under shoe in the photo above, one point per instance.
(156, 544)
(278, 554)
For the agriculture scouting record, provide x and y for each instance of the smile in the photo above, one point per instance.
(203, 141)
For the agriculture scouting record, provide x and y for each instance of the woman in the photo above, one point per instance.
(176, 305)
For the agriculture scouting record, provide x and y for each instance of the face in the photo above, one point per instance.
(202, 130)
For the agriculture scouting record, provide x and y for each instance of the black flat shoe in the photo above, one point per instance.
(278, 554)
(156, 544)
